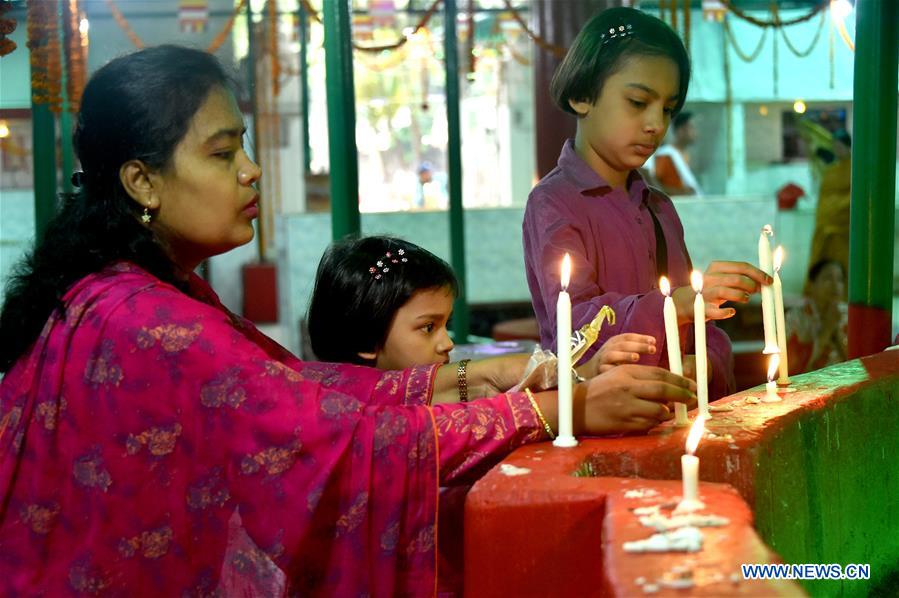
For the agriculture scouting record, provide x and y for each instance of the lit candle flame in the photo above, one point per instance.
(696, 280)
(768, 230)
(778, 258)
(773, 364)
(695, 434)
(665, 286)
(566, 271)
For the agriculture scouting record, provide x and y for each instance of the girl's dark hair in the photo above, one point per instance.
(137, 107)
(593, 58)
(352, 309)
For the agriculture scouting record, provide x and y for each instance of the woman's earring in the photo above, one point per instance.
(145, 218)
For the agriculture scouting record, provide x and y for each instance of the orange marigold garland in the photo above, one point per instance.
(216, 43)
(43, 42)
(7, 26)
(76, 52)
(223, 34)
(272, 7)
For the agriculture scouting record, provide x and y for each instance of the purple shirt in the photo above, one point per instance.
(610, 236)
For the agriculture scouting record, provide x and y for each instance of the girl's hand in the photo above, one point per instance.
(630, 398)
(618, 350)
(491, 376)
(722, 282)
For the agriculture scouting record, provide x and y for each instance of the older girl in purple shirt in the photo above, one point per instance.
(624, 78)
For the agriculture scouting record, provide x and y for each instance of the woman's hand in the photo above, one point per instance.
(630, 398)
(619, 350)
(722, 282)
(484, 377)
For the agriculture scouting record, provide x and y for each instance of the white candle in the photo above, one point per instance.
(565, 438)
(783, 377)
(690, 469)
(702, 366)
(771, 395)
(672, 339)
(767, 292)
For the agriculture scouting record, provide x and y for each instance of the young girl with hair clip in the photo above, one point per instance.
(385, 302)
(624, 78)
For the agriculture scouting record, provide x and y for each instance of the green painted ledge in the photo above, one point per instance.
(827, 488)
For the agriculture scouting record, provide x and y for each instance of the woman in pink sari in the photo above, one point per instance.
(152, 442)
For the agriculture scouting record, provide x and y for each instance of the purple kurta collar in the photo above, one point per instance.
(588, 182)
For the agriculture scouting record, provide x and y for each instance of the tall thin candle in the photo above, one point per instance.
(672, 339)
(783, 377)
(767, 292)
(689, 463)
(771, 395)
(565, 437)
(702, 366)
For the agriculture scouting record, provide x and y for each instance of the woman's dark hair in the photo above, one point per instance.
(359, 288)
(596, 54)
(137, 107)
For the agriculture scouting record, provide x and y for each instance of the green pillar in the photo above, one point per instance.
(304, 85)
(341, 119)
(65, 118)
(43, 133)
(454, 162)
(872, 211)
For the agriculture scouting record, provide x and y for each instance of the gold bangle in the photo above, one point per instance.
(462, 380)
(549, 431)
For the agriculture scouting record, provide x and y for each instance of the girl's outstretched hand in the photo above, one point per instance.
(619, 350)
(722, 282)
(629, 398)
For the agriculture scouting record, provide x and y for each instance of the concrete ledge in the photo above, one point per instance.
(817, 470)
(548, 533)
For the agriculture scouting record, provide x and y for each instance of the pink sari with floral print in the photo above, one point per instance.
(153, 443)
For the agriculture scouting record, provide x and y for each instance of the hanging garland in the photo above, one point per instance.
(729, 36)
(45, 55)
(728, 108)
(783, 33)
(219, 39)
(830, 53)
(123, 24)
(504, 44)
(216, 43)
(822, 4)
(557, 51)
(7, 26)
(774, 75)
(844, 34)
(76, 43)
(469, 48)
(380, 64)
(381, 47)
(273, 47)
